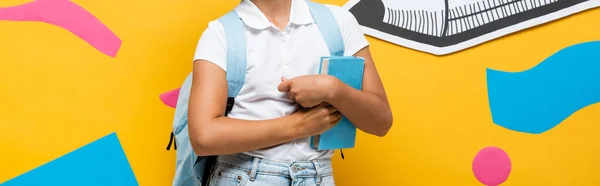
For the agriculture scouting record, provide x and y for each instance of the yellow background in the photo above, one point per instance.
(52, 80)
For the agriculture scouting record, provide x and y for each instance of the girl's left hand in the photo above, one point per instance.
(309, 90)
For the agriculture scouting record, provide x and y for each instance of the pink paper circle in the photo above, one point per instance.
(491, 166)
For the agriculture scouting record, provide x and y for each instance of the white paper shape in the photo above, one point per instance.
(443, 27)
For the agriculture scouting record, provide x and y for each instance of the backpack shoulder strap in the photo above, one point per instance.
(328, 26)
(236, 69)
(236, 52)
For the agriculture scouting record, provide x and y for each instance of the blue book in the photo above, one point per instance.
(349, 70)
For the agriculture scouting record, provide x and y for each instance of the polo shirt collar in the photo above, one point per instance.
(254, 18)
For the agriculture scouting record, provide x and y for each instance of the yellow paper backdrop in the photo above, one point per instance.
(58, 93)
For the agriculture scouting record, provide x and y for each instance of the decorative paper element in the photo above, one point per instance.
(491, 166)
(170, 98)
(446, 26)
(67, 15)
(100, 163)
(538, 99)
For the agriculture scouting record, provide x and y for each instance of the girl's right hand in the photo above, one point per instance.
(316, 120)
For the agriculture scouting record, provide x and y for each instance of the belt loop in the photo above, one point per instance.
(254, 170)
(317, 169)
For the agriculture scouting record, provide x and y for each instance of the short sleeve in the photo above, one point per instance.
(354, 37)
(212, 45)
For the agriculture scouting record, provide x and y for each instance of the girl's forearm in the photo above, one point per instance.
(365, 110)
(224, 135)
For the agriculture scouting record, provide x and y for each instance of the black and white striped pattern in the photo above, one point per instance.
(460, 18)
(426, 22)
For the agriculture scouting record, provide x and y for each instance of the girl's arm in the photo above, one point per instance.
(368, 109)
(211, 133)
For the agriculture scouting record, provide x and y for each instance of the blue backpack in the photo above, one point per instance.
(192, 170)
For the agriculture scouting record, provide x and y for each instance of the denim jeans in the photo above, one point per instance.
(245, 170)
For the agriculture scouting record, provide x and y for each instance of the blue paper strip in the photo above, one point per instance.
(538, 99)
(100, 163)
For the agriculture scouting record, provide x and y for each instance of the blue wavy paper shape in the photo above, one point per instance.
(100, 163)
(538, 99)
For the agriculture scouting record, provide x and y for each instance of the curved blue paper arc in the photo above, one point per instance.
(536, 100)
(100, 163)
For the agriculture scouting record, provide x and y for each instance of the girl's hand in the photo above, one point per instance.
(316, 120)
(309, 90)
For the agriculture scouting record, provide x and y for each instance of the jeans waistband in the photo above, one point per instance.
(296, 169)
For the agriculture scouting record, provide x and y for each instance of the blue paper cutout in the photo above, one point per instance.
(100, 163)
(538, 99)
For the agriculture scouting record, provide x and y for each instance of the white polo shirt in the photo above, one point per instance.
(272, 53)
